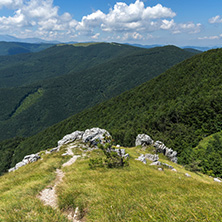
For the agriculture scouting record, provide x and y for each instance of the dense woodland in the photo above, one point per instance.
(110, 69)
(180, 107)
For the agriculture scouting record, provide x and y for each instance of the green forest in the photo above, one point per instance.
(180, 107)
(25, 112)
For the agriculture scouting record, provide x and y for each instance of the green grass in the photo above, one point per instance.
(137, 192)
(140, 193)
(29, 101)
(19, 190)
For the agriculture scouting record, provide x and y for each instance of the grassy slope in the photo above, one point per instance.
(72, 93)
(136, 193)
(179, 107)
(18, 191)
(140, 193)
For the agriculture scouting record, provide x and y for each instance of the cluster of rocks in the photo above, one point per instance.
(27, 159)
(155, 160)
(147, 156)
(145, 140)
(168, 152)
(92, 136)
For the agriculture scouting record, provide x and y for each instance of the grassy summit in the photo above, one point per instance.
(137, 192)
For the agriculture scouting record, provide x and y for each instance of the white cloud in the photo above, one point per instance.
(166, 24)
(216, 19)
(123, 17)
(135, 21)
(10, 3)
(214, 37)
(189, 27)
(36, 17)
(132, 36)
(96, 36)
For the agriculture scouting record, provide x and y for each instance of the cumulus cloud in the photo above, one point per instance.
(214, 37)
(96, 36)
(135, 21)
(132, 36)
(10, 3)
(189, 27)
(125, 17)
(216, 19)
(36, 17)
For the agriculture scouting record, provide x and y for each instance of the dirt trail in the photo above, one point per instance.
(49, 197)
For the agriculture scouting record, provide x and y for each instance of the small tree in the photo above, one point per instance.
(113, 159)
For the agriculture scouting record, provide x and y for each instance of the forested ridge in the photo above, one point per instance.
(180, 107)
(26, 110)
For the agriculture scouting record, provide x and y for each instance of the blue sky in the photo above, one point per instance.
(178, 22)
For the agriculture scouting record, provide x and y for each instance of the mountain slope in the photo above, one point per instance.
(35, 107)
(24, 69)
(13, 48)
(208, 154)
(139, 192)
(179, 107)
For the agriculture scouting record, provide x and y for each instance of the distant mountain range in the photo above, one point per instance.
(9, 38)
(41, 89)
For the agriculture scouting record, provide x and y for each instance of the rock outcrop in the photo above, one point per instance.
(152, 157)
(217, 180)
(161, 148)
(70, 138)
(95, 136)
(27, 159)
(143, 140)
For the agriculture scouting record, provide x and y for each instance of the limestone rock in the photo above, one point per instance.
(142, 158)
(95, 136)
(156, 163)
(167, 165)
(27, 159)
(70, 138)
(161, 148)
(217, 180)
(152, 157)
(187, 175)
(143, 140)
(56, 149)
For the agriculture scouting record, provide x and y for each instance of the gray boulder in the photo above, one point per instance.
(27, 159)
(95, 136)
(142, 158)
(167, 165)
(143, 140)
(156, 163)
(187, 175)
(152, 157)
(56, 149)
(31, 158)
(77, 135)
(217, 180)
(161, 148)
